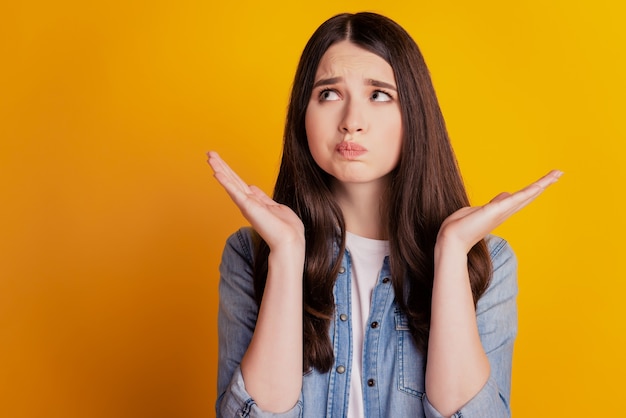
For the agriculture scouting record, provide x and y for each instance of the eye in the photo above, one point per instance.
(381, 96)
(328, 95)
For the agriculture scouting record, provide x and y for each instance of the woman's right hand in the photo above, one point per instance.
(271, 367)
(277, 224)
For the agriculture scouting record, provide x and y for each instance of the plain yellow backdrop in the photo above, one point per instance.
(111, 226)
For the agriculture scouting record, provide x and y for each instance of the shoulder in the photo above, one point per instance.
(503, 283)
(240, 244)
(236, 267)
(501, 253)
(238, 255)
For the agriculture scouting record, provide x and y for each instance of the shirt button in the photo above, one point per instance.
(371, 382)
(386, 280)
(343, 317)
(342, 270)
(341, 369)
(374, 325)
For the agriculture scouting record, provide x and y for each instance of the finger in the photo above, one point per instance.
(230, 181)
(500, 197)
(508, 205)
(533, 190)
(262, 196)
(220, 166)
(503, 207)
(550, 178)
(236, 193)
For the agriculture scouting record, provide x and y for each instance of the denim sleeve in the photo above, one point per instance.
(236, 321)
(496, 313)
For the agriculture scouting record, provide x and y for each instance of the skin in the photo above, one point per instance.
(272, 364)
(347, 108)
(455, 373)
(355, 101)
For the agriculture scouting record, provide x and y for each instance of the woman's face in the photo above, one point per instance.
(353, 120)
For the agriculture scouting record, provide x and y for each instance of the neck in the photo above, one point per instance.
(362, 206)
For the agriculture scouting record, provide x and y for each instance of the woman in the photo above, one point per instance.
(366, 287)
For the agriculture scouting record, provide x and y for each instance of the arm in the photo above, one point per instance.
(271, 367)
(237, 318)
(458, 366)
(496, 317)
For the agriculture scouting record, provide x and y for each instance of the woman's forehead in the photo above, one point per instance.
(345, 58)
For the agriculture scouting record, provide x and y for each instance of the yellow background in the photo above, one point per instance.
(111, 226)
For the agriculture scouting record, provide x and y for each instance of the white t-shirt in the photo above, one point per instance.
(366, 256)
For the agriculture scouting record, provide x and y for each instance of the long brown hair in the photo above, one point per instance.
(425, 188)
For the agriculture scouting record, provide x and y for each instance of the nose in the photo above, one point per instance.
(353, 119)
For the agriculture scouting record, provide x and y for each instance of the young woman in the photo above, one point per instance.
(367, 287)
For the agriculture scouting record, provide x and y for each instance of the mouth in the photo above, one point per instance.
(350, 150)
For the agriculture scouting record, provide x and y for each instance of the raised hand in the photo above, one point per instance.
(277, 224)
(468, 225)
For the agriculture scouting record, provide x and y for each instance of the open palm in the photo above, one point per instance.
(277, 224)
(468, 225)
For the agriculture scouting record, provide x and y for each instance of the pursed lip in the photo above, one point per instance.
(350, 150)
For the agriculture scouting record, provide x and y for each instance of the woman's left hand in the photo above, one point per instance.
(468, 225)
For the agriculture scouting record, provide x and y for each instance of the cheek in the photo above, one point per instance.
(392, 124)
(396, 140)
(399, 129)
(312, 126)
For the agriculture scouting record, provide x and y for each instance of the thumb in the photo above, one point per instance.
(500, 197)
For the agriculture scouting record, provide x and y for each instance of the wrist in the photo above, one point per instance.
(290, 251)
(446, 247)
(294, 245)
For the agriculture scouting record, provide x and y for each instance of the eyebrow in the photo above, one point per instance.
(369, 82)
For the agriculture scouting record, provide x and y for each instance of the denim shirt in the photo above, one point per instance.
(393, 368)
